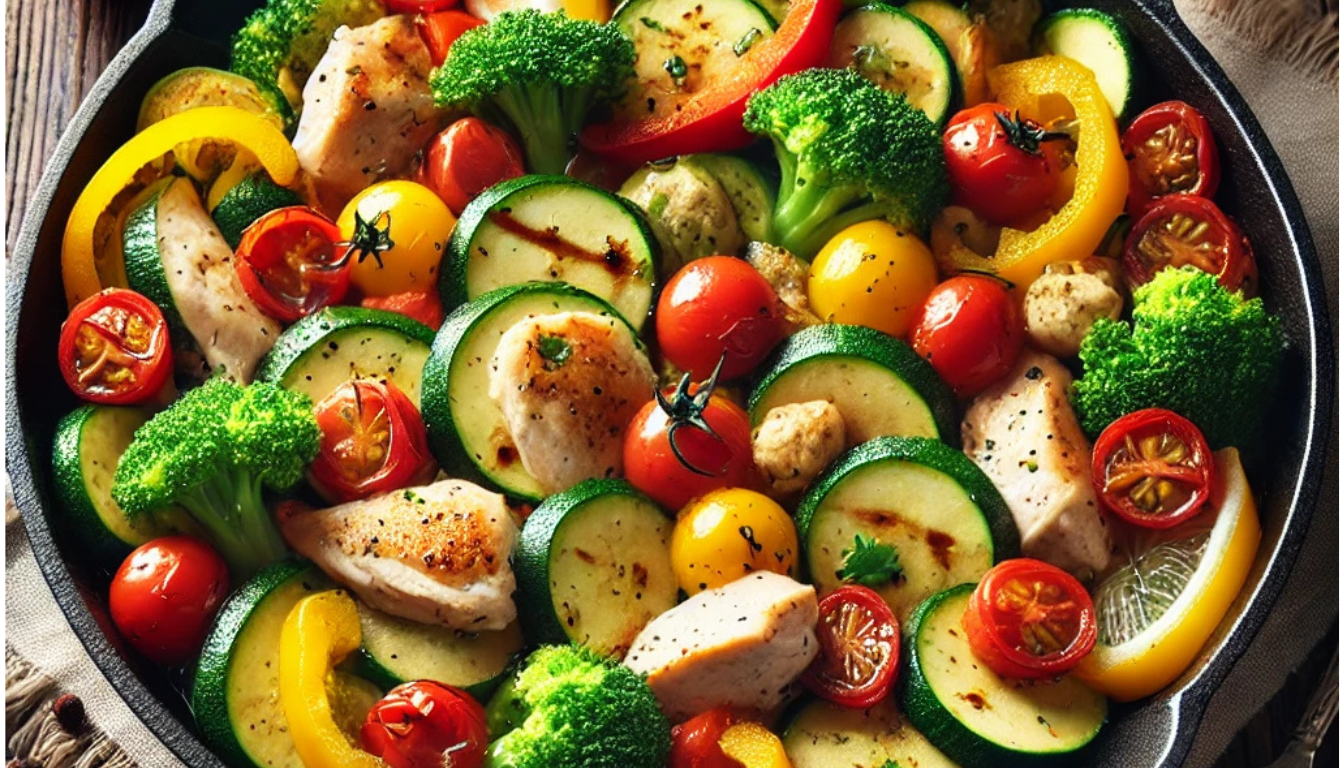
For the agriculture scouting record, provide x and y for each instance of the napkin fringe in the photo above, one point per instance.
(1304, 37)
(35, 733)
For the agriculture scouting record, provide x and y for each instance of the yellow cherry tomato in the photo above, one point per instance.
(726, 534)
(754, 746)
(400, 233)
(872, 274)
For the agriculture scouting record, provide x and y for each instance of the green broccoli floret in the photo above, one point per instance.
(282, 41)
(848, 152)
(539, 73)
(210, 453)
(1195, 348)
(569, 707)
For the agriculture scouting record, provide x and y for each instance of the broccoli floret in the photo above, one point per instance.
(570, 707)
(282, 41)
(848, 152)
(211, 452)
(1195, 348)
(539, 73)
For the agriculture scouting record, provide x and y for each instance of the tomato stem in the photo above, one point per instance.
(686, 410)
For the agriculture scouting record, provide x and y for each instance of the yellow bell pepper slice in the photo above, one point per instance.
(320, 631)
(1045, 89)
(754, 746)
(88, 265)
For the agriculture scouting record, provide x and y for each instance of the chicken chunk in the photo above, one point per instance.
(568, 385)
(795, 442)
(689, 210)
(1023, 433)
(787, 274)
(741, 645)
(436, 554)
(367, 110)
(1062, 304)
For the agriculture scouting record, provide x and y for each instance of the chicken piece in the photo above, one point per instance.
(568, 385)
(741, 645)
(367, 110)
(1023, 433)
(436, 554)
(1062, 304)
(231, 333)
(689, 210)
(787, 274)
(795, 442)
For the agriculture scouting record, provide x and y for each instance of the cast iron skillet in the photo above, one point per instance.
(1155, 732)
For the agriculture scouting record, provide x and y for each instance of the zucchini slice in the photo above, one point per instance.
(1099, 42)
(944, 517)
(466, 429)
(245, 202)
(207, 87)
(553, 228)
(753, 198)
(335, 344)
(396, 651)
(898, 53)
(979, 719)
(880, 386)
(825, 735)
(594, 566)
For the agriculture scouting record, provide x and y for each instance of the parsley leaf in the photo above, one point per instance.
(554, 350)
(870, 563)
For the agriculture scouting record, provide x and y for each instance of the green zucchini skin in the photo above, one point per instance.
(144, 264)
(864, 25)
(1056, 33)
(253, 197)
(307, 333)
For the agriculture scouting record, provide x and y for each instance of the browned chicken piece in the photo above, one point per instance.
(795, 442)
(787, 274)
(568, 386)
(436, 554)
(1023, 433)
(367, 110)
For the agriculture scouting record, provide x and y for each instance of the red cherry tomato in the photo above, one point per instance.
(290, 264)
(423, 306)
(440, 30)
(971, 330)
(1004, 168)
(164, 596)
(860, 648)
(1181, 230)
(1029, 619)
(373, 441)
(695, 743)
(718, 307)
(1170, 151)
(418, 6)
(426, 725)
(1153, 468)
(469, 157)
(114, 348)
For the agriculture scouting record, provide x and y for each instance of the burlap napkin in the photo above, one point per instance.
(1285, 65)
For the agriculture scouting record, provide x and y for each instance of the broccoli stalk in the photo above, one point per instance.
(848, 152)
(538, 73)
(210, 453)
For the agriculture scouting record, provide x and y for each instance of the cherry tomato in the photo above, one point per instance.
(440, 30)
(114, 348)
(860, 648)
(423, 306)
(290, 264)
(602, 172)
(373, 441)
(1182, 230)
(469, 157)
(1170, 151)
(872, 274)
(726, 534)
(418, 6)
(399, 231)
(1029, 619)
(671, 456)
(424, 724)
(1153, 468)
(695, 743)
(971, 330)
(1002, 167)
(165, 595)
(717, 308)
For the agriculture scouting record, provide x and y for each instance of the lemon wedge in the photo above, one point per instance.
(1158, 610)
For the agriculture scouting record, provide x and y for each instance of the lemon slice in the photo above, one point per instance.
(1156, 612)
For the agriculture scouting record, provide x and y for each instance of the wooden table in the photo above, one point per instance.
(56, 48)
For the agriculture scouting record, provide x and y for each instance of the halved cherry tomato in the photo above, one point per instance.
(424, 724)
(424, 306)
(1001, 166)
(440, 30)
(290, 263)
(712, 120)
(718, 308)
(1029, 619)
(1182, 230)
(165, 596)
(971, 331)
(1153, 468)
(695, 743)
(860, 648)
(418, 6)
(467, 158)
(114, 348)
(1170, 151)
(373, 441)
